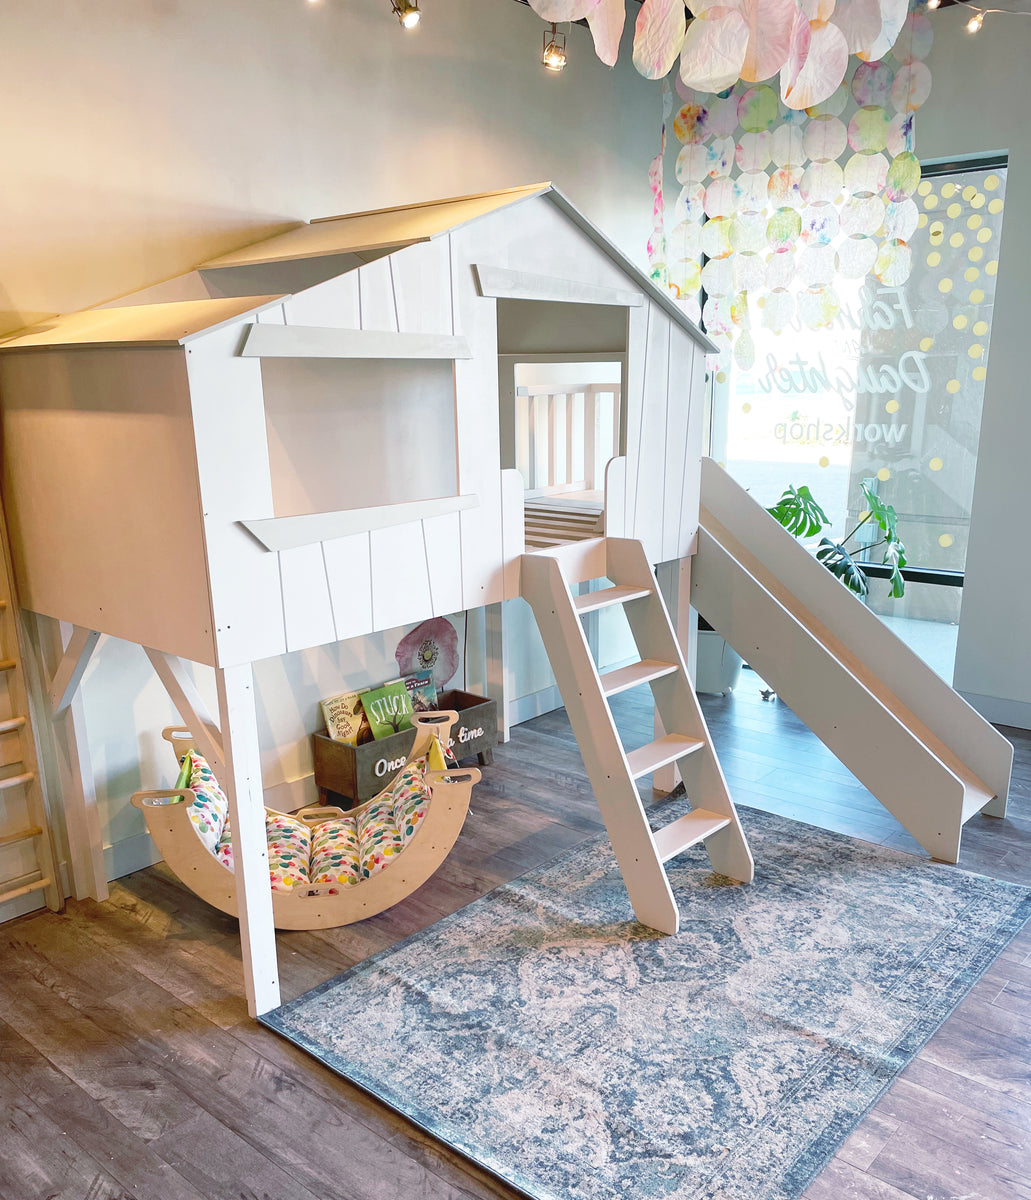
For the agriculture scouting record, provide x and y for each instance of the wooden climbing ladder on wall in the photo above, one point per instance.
(28, 859)
(548, 579)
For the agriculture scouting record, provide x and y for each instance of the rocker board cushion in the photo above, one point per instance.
(346, 850)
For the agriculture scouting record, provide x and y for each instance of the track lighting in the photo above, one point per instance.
(554, 54)
(407, 12)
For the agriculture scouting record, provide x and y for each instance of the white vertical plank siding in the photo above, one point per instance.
(330, 305)
(307, 610)
(422, 287)
(442, 541)
(349, 571)
(235, 482)
(477, 409)
(637, 349)
(647, 475)
(400, 580)
(678, 402)
(692, 484)
(376, 294)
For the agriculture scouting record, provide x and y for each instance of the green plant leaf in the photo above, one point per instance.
(841, 564)
(895, 557)
(883, 514)
(799, 513)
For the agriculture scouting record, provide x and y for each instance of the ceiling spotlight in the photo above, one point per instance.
(554, 54)
(933, 3)
(407, 12)
(975, 22)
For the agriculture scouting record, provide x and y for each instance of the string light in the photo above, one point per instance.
(407, 12)
(554, 54)
(975, 22)
(933, 4)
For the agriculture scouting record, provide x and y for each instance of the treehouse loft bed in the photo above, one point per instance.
(243, 461)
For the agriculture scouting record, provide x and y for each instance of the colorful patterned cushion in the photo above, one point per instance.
(289, 850)
(209, 810)
(410, 800)
(335, 856)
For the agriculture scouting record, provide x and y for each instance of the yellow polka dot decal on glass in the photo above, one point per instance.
(936, 233)
(944, 285)
(948, 191)
(931, 201)
(980, 328)
(934, 259)
(979, 373)
(969, 192)
(995, 206)
(984, 235)
(746, 408)
(924, 188)
(945, 541)
(975, 222)
(976, 350)
(721, 376)
(991, 268)
(954, 210)
(953, 386)
(977, 296)
(970, 274)
(884, 474)
(825, 461)
(979, 200)
(936, 464)
(921, 221)
(892, 406)
(925, 345)
(991, 183)
(959, 321)
(975, 253)
(956, 240)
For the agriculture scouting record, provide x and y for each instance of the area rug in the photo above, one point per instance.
(577, 1055)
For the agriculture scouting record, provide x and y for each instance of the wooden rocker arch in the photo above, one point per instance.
(318, 906)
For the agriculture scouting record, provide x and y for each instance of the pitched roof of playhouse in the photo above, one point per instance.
(354, 239)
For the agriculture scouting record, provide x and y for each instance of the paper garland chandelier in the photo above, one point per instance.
(806, 42)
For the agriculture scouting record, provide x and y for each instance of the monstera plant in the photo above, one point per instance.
(799, 513)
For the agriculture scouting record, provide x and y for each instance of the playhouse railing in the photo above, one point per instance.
(565, 434)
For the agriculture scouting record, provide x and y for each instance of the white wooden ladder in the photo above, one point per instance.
(548, 579)
(28, 860)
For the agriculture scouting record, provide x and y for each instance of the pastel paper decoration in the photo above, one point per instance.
(805, 42)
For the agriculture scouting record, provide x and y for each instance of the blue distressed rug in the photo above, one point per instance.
(577, 1055)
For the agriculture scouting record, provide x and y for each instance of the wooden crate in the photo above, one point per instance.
(476, 730)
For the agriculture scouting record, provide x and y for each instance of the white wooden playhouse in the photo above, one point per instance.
(312, 439)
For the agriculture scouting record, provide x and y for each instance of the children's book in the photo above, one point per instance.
(388, 708)
(345, 718)
(422, 691)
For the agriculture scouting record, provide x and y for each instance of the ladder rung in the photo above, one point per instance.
(37, 886)
(17, 780)
(685, 831)
(8, 664)
(614, 682)
(8, 839)
(620, 594)
(657, 754)
(10, 725)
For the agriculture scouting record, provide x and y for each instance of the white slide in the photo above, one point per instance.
(928, 757)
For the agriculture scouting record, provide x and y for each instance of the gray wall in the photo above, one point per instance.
(981, 101)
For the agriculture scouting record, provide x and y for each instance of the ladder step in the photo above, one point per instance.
(8, 839)
(12, 724)
(620, 594)
(8, 664)
(36, 886)
(17, 780)
(614, 682)
(657, 754)
(686, 831)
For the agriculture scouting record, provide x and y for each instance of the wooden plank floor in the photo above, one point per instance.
(128, 1067)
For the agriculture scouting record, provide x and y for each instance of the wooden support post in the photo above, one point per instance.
(674, 579)
(71, 750)
(498, 688)
(242, 781)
